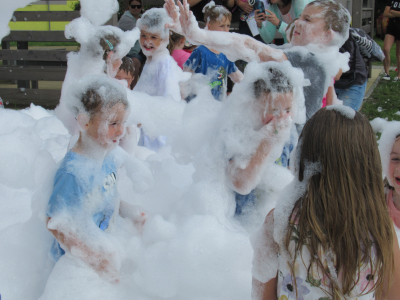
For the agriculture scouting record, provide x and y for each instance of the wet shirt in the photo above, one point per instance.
(218, 66)
(75, 181)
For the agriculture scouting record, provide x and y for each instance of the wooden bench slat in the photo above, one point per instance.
(42, 97)
(367, 14)
(367, 29)
(34, 55)
(36, 36)
(47, 16)
(32, 73)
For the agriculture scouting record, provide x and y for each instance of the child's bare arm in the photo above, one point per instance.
(234, 46)
(244, 180)
(98, 261)
(264, 291)
(134, 213)
(236, 76)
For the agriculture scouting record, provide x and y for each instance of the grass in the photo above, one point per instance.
(393, 60)
(384, 101)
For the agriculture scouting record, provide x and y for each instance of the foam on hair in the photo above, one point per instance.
(154, 21)
(337, 18)
(95, 92)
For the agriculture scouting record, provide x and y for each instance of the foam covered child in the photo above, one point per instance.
(389, 147)
(329, 236)
(85, 203)
(211, 62)
(277, 93)
(161, 74)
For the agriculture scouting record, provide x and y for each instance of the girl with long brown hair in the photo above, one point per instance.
(331, 234)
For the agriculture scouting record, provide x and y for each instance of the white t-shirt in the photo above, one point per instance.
(161, 76)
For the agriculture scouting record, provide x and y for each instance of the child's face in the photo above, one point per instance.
(222, 25)
(122, 75)
(107, 127)
(274, 105)
(394, 166)
(149, 42)
(309, 28)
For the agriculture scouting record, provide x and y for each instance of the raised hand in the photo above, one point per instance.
(189, 24)
(173, 13)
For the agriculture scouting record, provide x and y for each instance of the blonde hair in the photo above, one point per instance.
(344, 208)
(214, 13)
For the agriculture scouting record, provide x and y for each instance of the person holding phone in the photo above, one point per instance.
(278, 16)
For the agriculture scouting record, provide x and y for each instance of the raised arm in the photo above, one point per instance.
(244, 180)
(234, 46)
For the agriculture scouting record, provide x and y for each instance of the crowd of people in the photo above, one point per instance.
(333, 234)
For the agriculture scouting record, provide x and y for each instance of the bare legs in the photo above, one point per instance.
(388, 43)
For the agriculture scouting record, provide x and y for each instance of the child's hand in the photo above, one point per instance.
(133, 212)
(173, 12)
(139, 221)
(187, 22)
(277, 129)
(245, 6)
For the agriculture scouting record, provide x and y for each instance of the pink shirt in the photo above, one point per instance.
(180, 57)
(393, 211)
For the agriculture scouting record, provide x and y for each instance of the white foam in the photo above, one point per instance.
(344, 110)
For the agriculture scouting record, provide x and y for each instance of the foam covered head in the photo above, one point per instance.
(154, 21)
(93, 93)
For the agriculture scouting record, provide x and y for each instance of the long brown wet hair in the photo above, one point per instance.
(344, 208)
